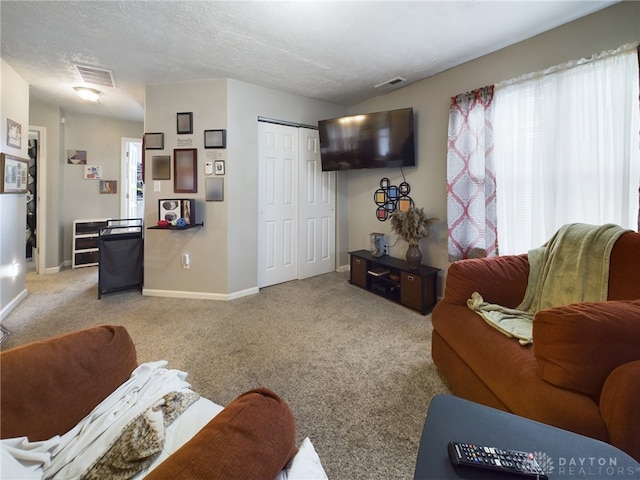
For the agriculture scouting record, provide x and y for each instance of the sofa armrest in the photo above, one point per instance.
(49, 386)
(577, 346)
(501, 280)
(252, 438)
(619, 407)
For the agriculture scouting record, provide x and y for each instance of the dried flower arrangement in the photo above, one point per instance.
(412, 225)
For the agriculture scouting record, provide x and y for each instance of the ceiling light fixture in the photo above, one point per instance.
(90, 94)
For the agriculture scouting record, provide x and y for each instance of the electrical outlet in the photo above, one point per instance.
(386, 249)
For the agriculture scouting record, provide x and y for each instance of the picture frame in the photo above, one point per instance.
(76, 157)
(215, 139)
(108, 187)
(173, 208)
(14, 134)
(161, 167)
(185, 170)
(169, 209)
(403, 204)
(154, 141)
(92, 172)
(218, 167)
(214, 189)
(14, 171)
(184, 123)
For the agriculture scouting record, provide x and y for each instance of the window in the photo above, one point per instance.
(567, 149)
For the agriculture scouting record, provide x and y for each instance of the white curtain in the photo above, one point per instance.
(567, 149)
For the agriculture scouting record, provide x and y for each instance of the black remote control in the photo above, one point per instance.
(495, 459)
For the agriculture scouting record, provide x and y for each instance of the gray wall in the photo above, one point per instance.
(246, 103)
(48, 117)
(430, 98)
(207, 246)
(223, 252)
(101, 137)
(14, 104)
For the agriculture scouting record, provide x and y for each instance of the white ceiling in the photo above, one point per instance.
(328, 50)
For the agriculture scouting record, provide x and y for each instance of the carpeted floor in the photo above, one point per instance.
(356, 369)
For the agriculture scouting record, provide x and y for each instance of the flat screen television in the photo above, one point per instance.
(373, 140)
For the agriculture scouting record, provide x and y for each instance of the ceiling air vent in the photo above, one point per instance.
(390, 84)
(95, 76)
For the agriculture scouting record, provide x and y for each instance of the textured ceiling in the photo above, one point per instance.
(328, 50)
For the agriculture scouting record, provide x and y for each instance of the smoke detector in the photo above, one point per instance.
(390, 84)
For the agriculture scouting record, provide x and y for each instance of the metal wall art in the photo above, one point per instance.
(390, 198)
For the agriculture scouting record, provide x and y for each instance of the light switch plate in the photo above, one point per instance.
(208, 168)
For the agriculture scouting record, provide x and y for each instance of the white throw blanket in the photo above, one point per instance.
(69, 456)
(573, 266)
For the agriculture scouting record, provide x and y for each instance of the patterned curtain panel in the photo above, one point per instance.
(471, 188)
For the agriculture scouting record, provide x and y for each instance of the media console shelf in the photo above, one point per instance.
(393, 279)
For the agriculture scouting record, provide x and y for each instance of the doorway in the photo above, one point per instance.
(296, 231)
(132, 187)
(35, 233)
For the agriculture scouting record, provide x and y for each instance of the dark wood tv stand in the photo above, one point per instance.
(413, 288)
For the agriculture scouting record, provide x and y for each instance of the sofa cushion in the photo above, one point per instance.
(577, 346)
(624, 268)
(253, 437)
(510, 372)
(49, 386)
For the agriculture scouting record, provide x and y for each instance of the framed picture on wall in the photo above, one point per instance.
(77, 157)
(215, 139)
(108, 186)
(185, 170)
(154, 141)
(185, 123)
(92, 172)
(14, 134)
(161, 167)
(14, 172)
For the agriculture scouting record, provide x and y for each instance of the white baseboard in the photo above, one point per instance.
(13, 304)
(343, 268)
(150, 292)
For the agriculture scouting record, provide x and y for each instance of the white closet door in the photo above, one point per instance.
(278, 209)
(317, 200)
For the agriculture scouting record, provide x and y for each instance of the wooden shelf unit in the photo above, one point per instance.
(84, 251)
(413, 288)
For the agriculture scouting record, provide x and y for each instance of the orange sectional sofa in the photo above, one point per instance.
(49, 386)
(582, 372)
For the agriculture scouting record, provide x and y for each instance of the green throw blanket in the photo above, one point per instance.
(572, 267)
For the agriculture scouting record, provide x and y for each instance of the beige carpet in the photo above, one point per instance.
(356, 369)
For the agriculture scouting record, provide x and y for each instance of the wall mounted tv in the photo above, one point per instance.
(373, 140)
